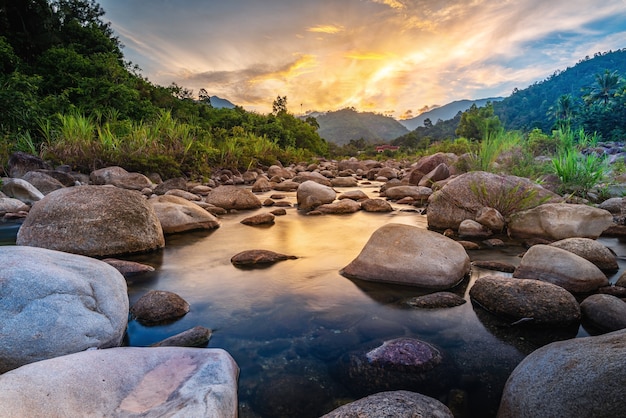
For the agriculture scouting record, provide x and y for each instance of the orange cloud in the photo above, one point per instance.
(329, 29)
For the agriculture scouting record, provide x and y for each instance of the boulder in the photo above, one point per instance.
(21, 189)
(339, 207)
(9, 205)
(416, 192)
(311, 194)
(615, 205)
(399, 404)
(170, 184)
(286, 186)
(462, 198)
(275, 170)
(195, 337)
(259, 257)
(590, 250)
(560, 267)
(106, 175)
(354, 195)
(55, 303)
(42, 181)
(177, 214)
(558, 221)
(472, 229)
(159, 306)
(233, 197)
(536, 302)
(435, 300)
(192, 197)
(491, 218)
(581, 377)
(344, 182)
(376, 205)
(430, 162)
(314, 176)
(21, 163)
(408, 255)
(126, 381)
(604, 312)
(94, 221)
(129, 268)
(441, 172)
(260, 219)
(262, 184)
(130, 181)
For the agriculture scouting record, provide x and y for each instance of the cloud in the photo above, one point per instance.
(394, 4)
(329, 29)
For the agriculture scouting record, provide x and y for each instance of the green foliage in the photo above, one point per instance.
(507, 198)
(342, 126)
(478, 122)
(491, 147)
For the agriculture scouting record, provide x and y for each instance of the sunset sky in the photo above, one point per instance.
(387, 56)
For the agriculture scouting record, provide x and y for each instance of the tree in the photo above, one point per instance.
(204, 97)
(477, 122)
(563, 111)
(279, 105)
(606, 86)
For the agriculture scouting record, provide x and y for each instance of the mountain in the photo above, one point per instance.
(346, 124)
(445, 112)
(219, 103)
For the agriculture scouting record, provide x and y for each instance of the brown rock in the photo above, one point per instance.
(158, 306)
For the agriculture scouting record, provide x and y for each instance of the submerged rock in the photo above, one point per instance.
(126, 381)
(194, 337)
(129, 268)
(158, 306)
(436, 300)
(260, 219)
(263, 257)
(409, 255)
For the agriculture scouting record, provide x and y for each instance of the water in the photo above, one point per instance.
(291, 326)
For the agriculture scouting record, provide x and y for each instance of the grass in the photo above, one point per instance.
(510, 198)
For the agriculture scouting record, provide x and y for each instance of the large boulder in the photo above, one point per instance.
(604, 312)
(21, 163)
(560, 267)
(558, 221)
(399, 404)
(415, 192)
(94, 221)
(340, 206)
(408, 255)
(312, 194)
(177, 214)
(125, 382)
(463, 197)
(581, 377)
(21, 189)
(233, 197)
(159, 306)
(55, 303)
(591, 250)
(522, 299)
(42, 181)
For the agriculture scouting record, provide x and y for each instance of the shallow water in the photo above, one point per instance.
(291, 326)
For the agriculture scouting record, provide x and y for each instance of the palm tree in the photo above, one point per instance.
(605, 88)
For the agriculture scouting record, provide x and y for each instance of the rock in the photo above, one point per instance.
(581, 377)
(441, 172)
(194, 337)
(376, 205)
(558, 221)
(339, 207)
(404, 254)
(129, 268)
(560, 267)
(279, 212)
(494, 265)
(462, 198)
(199, 189)
(354, 195)
(55, 303)
(314, 176)
(130, 181)
(418, 193)
(262, 184)
(286, 186)
(435, 301)
(126, 381)
(311, 194)
(604, 312)
(21, 163)
(279, 171)
(428, 163)
(233, 197)
(517, 299)
(9, 205)
(388, 173)
(343, 182)
(590, 250)
(262, 257)
(171, 184)
(177, 214)
(613, 205)
(21, 189)
(106, 175)
(260, 219)
(399, 404)
(192, 197)
(94, 221)
(468, 245)
(470, 228)
(158, 306)
(491, 218)
(42, 182)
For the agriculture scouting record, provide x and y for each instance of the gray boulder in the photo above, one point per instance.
(125, 382)
(538, 302)
(558, 221)
(604, 312)
(581, 377)
(408, 255)
(590, 250)
(560, 267)
(311, 194)
(22, 190)
(55, 303)
(462, 198)
(94, 221)
(105, 175)
(8, 204)
(42, 181)
(397, 404)
(233, 197)
(177, 214)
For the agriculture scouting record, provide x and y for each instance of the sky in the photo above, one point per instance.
(395, 57)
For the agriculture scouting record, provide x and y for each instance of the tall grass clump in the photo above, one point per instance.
(508, 198)
(494, 143)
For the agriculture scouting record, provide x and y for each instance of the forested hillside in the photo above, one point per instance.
(69, 95)
(344, 125)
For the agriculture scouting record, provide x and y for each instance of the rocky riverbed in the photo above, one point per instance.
(316, 311)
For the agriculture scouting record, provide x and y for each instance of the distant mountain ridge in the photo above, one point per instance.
(219, 103)
(344, 125)
(445, 112)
